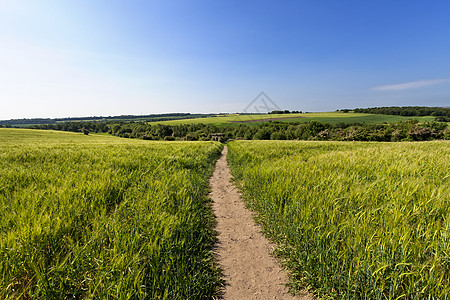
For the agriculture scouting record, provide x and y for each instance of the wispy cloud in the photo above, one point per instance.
(410, 85)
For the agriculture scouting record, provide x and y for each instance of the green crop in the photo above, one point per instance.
(99, 217)
(324, 117)
(353, 220)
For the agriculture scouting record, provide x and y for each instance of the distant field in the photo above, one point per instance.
(325, 117)
(355, 220)
(24, 123)
(14, 137)
(101, 217)
(227, 119)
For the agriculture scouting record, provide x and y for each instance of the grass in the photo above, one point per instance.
(353, 220)
(324, 117)
(99, 217)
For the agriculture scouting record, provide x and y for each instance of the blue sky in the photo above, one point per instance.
(61, 58)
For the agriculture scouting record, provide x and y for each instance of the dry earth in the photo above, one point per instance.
(242, 251)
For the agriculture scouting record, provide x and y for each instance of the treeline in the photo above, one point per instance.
(409, 111)
(147, 118)
(280, 112)
(313, 130)
(410, 130)
(77, 126)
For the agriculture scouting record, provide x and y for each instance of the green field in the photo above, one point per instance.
(26, 123)
(324, 117)
(100, 217)
(354, 220)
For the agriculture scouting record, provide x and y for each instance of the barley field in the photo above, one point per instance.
(353, 220)
(99, 217)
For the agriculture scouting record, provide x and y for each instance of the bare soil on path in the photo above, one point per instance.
(242, 251)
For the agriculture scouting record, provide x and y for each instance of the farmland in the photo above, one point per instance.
(353, 220)
(324, 117)
(123, 118)
(103, 217)
(222, 119)
(97, 216)
(334, 126)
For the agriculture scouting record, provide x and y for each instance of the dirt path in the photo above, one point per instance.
(242, 251)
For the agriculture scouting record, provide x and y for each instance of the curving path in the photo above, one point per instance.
(242, 251)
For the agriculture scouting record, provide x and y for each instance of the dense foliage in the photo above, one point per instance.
(99, 217)
(353, 220)
(78, 126)
(313, 130)
(407, 111)
(334, 127)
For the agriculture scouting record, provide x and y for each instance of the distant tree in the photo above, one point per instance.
(263, 134)
(420, 134)
(84, 131)
(164, 130)
(191, 137)
(407, 111)
(248, 135)
(286, 111)
(115, 129)
(446, 134)
(323, 135)
(442, 119)
(277, 135)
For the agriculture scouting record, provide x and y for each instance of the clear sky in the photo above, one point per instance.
(61, 58)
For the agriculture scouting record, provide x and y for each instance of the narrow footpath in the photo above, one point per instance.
(242, 251)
